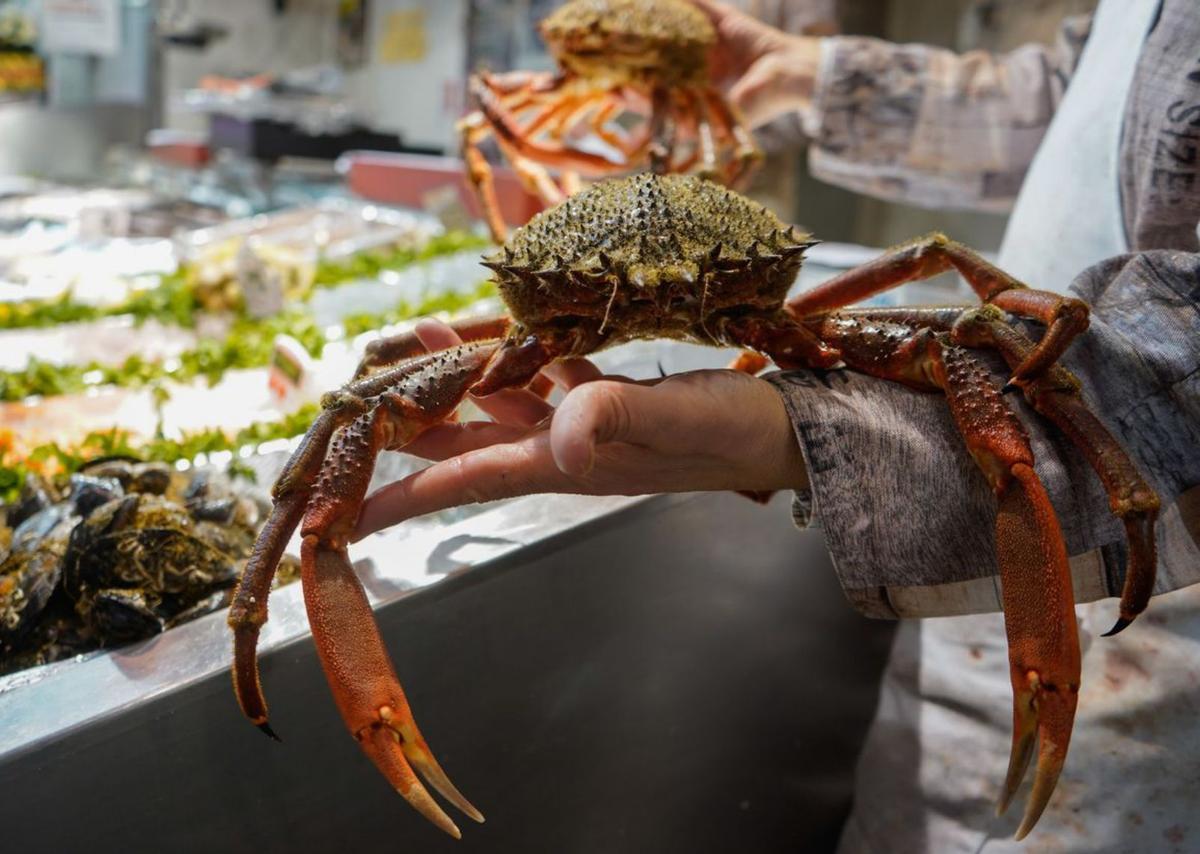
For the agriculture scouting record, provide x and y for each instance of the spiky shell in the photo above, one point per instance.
(660, 20)
(648, 255)
(666, 39)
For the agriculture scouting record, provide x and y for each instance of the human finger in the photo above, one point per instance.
(443, 441)
(600, 412)
(569, 373)
(523, 467)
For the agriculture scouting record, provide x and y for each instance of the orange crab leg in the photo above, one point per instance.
(352, 654)
(705, 145)
(248, 610)
(384, 352)
(662, 129)
(1056, 395)
(1039, 614)
(473, 129)
(364, 684)
(509, 134)
(557, 115)
(293, 492)
(746, 153)
(935, 253)
(598, 122)
(387, 352)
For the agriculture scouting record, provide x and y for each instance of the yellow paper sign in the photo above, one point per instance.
(403, 37)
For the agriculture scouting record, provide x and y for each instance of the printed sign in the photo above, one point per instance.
(81, 26)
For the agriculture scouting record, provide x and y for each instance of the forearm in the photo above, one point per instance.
(926, 126)
(907, 516)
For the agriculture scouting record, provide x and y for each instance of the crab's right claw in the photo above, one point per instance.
(1043, 641)
(365, 686)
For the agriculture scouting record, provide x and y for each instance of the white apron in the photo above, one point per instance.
(936, 755)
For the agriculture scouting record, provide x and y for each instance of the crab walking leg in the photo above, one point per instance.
(704, 136)
(556, 115)
(508, 134)
(1039, 611)
(365, 686)
(662, 130)
(1056, 396)
(473, 129)
(598, 123)
(1064, 317)
(352, 654)
(746, 153)
(292, 493)
(385, 352)
(687, 127)
(388, 352)
(248, 611)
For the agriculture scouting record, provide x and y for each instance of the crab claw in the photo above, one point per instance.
(365, 686)
(1042, 716)
(1043, 641)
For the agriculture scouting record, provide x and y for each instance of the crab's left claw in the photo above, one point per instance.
(1042, 718)
(1043, 641)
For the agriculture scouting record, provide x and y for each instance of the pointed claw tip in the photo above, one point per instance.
(1005, 801)
(265, 728)
(1009, 387)
(1119, 626)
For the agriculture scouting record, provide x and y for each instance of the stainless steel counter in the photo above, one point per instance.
(675, 674)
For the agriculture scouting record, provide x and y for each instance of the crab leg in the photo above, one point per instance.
(746, 153)
(292, 493)
(509, 134)
(705, 145)
(598, 123)
(473, 130)
(385, 352)
(352, 653)
(1056, 395)
(248, 611)
(390, 351)
(1039, 614)
(662, 130)
(1064, 317)
(557, 115)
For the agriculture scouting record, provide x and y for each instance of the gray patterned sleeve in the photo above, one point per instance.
(927, 126)
(908, 518)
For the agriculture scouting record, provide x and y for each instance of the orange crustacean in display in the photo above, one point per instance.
(632, 79)
(684, 258)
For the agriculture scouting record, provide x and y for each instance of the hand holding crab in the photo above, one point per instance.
(633, 76)
(703, 430)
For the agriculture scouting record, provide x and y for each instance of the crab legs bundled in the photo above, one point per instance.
(683, 258)
(618, 59)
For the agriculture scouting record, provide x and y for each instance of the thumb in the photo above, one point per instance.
(599, 412)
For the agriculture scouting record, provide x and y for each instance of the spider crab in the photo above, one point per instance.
(616, 57)
(684, 258)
